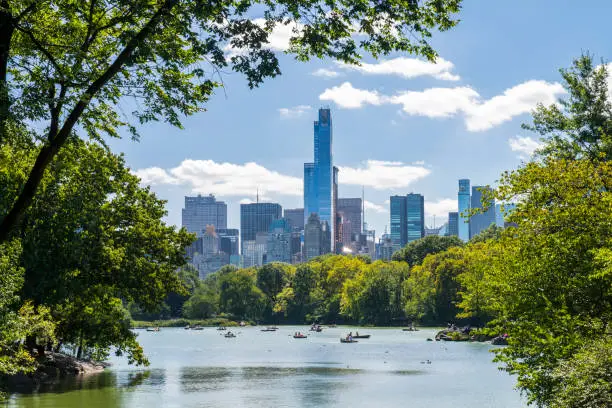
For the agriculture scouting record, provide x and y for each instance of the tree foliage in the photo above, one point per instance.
(580, 126)
(415, 252)
(92, 240)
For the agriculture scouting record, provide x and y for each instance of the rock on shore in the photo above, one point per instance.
(55, 366)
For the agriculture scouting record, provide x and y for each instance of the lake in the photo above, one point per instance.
(272, 369)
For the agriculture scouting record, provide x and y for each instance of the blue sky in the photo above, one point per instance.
(400, 126)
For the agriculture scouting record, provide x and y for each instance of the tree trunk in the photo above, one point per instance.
(50, 150)
(6, 33)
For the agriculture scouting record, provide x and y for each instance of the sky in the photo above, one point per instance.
(400, 124)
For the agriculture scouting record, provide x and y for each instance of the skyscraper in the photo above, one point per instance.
(228, 241)
(279, 242)
(453, 224)
(407, 219)
(399, 232)
(351, 214)
(310, 193)
(201, 211)
(257, 217)
(337, 227)
(415, 217)
(312, 237)
(481, 220)
(463, 199)
(320, 177)
(295, 216)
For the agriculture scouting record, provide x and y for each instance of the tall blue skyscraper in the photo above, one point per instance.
(481, 220)
(319, 177)
(463, 199)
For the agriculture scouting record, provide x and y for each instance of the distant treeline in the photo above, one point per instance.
(336, 289)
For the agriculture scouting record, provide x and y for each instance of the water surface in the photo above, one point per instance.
(272, 369)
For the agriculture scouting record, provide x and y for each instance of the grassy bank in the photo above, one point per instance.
(184, 322)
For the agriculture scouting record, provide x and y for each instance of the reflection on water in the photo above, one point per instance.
(202, 369)
(199, 379)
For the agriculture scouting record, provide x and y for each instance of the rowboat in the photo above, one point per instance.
(362, 336)
(299, 336)
(153, 329)
(221, 328)
(348, 341)
(229, 335)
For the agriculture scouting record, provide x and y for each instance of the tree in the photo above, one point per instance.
(431, 289)
(586, 377)
(18, 320)
(240, 296)
(579, 127)
(295, 301)
(204, 303)
(491, 232)
(373, 295)
(92, 239)
(550, 281)
(66, 63)
(415, 252)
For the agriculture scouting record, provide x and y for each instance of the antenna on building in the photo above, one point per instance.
(257, 197)
(434, 221)
(363, 207)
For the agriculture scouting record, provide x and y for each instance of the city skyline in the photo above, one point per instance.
(400, 125)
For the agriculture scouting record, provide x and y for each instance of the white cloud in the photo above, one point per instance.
(229, 179)
(440, 208)
(326, 73)
(519, 99)
(382, 175)
(407, 68)
(348, 97)
(374, 207)
(436, 102)
(224, 179)
(294, 112)
(478, 114)
(525, 145)
(278, 39)
(155, 176)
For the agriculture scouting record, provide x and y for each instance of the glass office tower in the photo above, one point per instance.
(415, 217)
(463, 198)
(398, 226)
(319, 176)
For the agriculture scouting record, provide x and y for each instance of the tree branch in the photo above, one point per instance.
(50, 150)
(42, 49)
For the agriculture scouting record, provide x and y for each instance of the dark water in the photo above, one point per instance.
(271, 369)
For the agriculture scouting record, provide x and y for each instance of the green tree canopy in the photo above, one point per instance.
(580, 126)
(415, 252)
(550, 281)
(92, 239)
